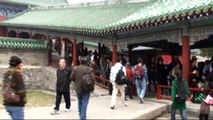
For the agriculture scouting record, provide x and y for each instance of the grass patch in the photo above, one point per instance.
(35, 99)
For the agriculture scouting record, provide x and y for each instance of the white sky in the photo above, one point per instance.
(83, 1)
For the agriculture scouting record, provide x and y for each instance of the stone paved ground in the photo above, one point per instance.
(99, 108)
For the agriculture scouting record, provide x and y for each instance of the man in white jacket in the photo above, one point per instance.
(113, 73)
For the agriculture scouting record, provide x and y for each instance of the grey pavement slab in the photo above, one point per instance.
(98, 108)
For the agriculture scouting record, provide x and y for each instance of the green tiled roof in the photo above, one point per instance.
(19, 43)
(37, 2)
(111, 18)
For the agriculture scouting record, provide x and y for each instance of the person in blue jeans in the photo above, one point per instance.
(77, 77)
(13, 77)
(83, 100)
(140, 79)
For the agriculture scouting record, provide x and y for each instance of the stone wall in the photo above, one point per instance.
(36, 77)
(29, 57)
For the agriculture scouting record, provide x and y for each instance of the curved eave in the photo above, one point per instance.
(164, 19)
(129, 25)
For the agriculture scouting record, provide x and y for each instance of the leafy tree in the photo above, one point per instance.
(206, 52)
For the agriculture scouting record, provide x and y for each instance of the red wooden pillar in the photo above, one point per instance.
(114, 54)
(186, 57)
(75, 56)
(114, 50)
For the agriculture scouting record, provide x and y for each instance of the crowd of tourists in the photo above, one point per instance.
(123, 77)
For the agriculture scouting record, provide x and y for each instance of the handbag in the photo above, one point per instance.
(8, 92)
(209, 100)
(10, 95)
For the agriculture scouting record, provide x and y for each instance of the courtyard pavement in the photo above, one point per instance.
(99, 108)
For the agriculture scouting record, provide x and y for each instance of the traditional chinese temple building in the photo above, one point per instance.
(172, 26)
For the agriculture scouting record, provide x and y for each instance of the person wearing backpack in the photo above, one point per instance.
(13, 78)
(117, 87)
(79, 75)
(140, 79)
(179, 95)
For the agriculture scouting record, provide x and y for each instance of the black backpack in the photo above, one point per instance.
(120, 77)
(88, 85)
(181, 93)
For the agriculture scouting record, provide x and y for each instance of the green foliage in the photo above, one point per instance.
(208, 52)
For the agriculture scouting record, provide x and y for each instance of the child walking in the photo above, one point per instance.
(204, 107)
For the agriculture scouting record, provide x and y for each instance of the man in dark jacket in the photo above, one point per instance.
(77, 77)
(62, 86)
(13, 78)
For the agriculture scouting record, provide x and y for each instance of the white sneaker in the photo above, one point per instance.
(142, 100)
(54, 112)
(125, 104)
(67, 110)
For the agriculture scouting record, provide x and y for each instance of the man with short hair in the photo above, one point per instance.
(113, 73)
(62, 86)
(77, 76)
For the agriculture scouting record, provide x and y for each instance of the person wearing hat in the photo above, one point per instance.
(13, 78)
(77, 76)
